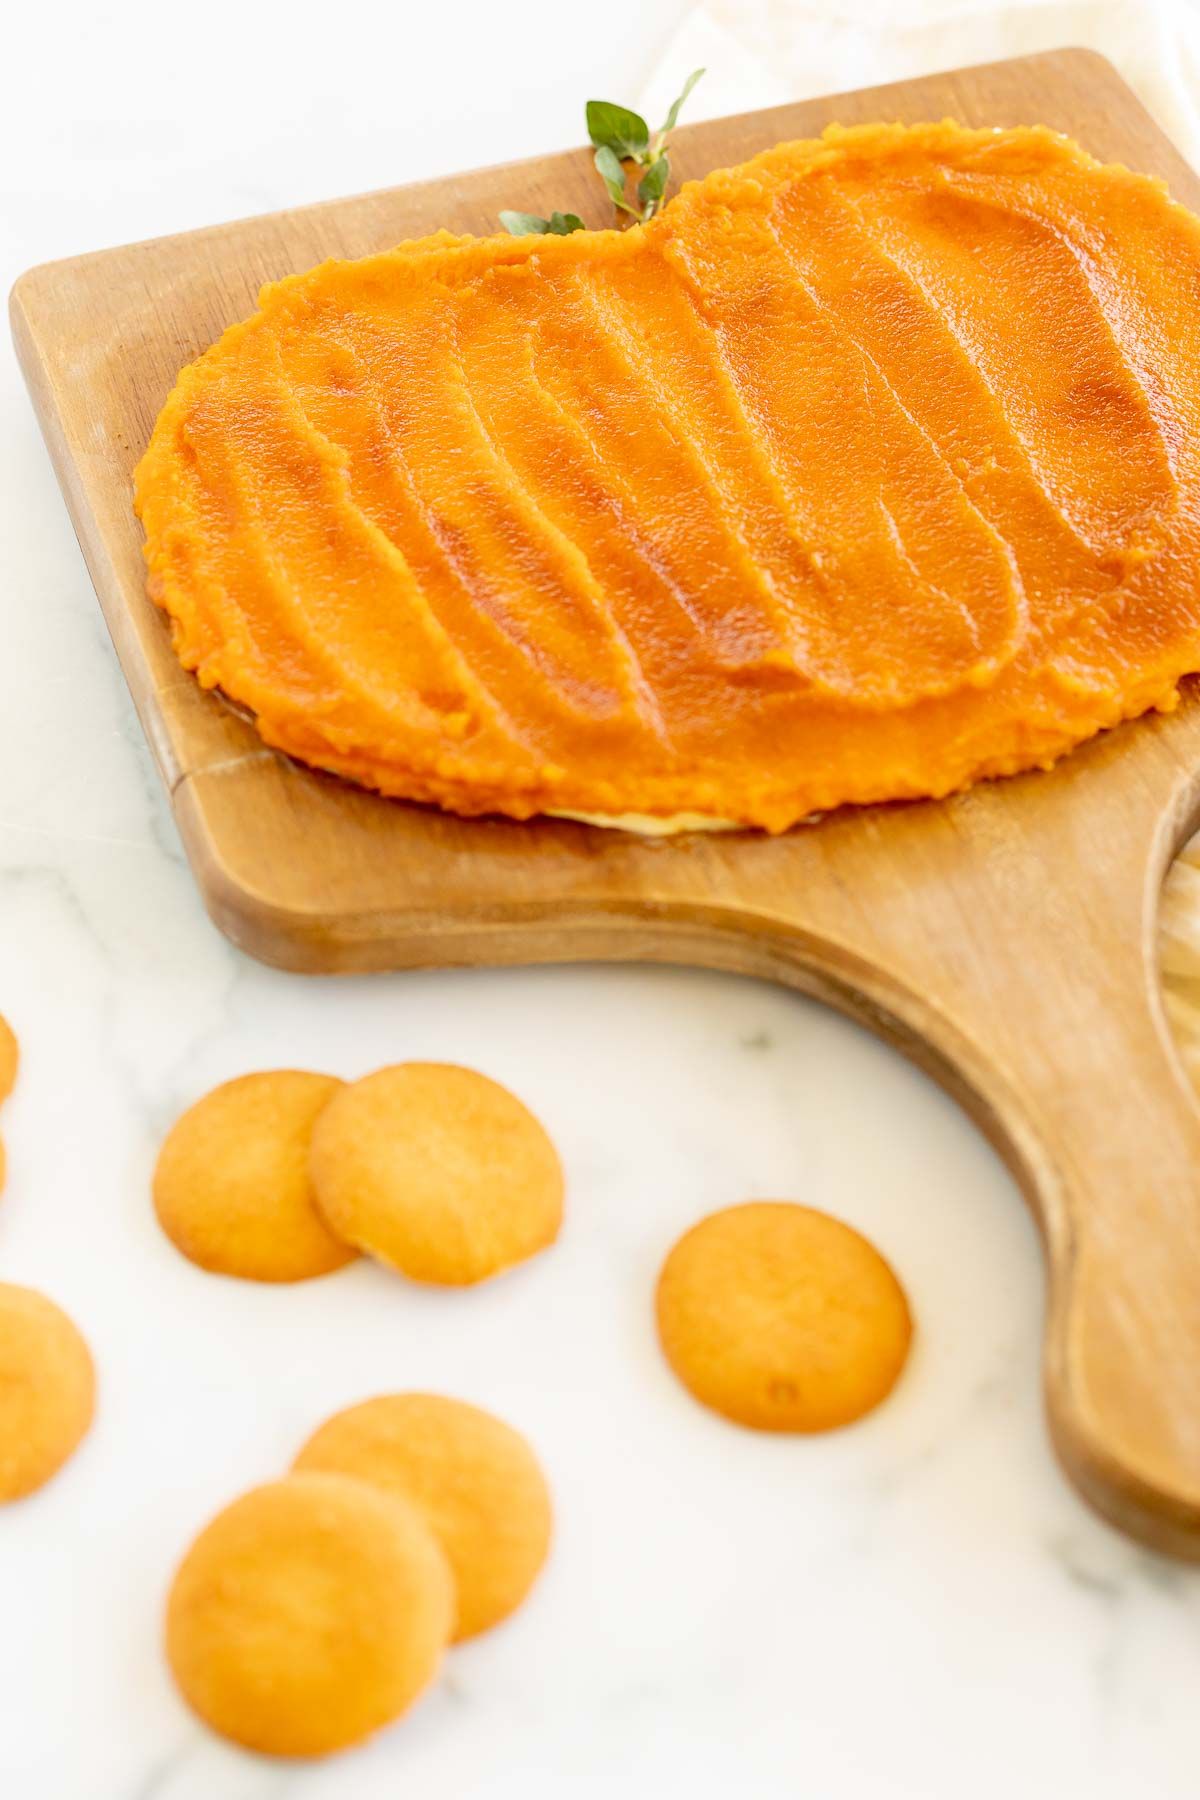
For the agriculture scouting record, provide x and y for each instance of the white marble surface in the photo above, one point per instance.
(918, 1607)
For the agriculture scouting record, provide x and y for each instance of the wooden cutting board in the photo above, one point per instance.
(1004, 939)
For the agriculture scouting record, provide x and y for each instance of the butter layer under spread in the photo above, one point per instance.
(865, 470)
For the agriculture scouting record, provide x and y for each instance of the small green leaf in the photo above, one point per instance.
(520, 224)
(673, 115)
(615, 128)
(653, 184)
(608, 167)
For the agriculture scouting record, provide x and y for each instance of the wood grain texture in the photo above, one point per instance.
(1004, 939)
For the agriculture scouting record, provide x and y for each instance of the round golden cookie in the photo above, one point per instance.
(231, 1187)
(782, 1318)
(437, 1171)
(47, 1390)
(309, 1614)
(474, 1478)
(9, 1058)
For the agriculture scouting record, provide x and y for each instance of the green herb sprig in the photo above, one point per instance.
(529, 225)
(619, 136)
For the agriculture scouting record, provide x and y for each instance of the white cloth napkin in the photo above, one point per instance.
(763, 52)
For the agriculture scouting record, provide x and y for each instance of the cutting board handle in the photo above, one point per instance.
(1103, 1132)
(1007, 941)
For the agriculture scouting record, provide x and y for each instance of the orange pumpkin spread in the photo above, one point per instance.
(865, 470)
